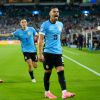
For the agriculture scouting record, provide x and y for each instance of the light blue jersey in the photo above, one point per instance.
(52, 32)
(26, 38)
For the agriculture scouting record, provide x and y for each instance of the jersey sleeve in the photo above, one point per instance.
(42, 29)
(15, 34)
(62, 25)
(34, 31)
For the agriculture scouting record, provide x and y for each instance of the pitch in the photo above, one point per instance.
(18, 86)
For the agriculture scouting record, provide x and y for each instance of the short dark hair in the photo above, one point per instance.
(53, 8)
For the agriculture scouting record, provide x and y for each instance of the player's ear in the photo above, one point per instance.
(49, 13)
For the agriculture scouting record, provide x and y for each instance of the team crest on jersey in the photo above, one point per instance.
(60, 28)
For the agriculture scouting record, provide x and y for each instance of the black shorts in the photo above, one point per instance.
(52, 60)
(30, 55)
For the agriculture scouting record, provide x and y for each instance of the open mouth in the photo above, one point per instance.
(56, 16)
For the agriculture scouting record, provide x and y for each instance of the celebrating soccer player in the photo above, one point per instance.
(51, 54)
(26, 36)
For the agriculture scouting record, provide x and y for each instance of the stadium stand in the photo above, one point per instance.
(71, 15)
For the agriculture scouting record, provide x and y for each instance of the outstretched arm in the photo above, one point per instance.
(6, 35)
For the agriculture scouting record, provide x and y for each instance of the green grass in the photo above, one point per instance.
(18, 86)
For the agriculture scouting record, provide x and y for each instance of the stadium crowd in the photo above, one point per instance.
(74, 21)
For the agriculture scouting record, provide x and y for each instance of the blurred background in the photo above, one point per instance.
(79, 17)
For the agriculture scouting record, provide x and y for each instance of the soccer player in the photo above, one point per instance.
(26, 36)
(51, 54)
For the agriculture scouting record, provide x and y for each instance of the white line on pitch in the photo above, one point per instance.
(91, 70)
(71, 52)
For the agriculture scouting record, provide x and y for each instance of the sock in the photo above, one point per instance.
(63, 91)
(31, 74)
(46, 80)
(61, 79)
(47, 92)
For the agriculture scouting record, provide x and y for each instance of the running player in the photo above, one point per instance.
(26, 36)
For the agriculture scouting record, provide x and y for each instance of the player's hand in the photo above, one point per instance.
(40, 57)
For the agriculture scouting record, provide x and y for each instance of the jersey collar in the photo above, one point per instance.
(25, 29)
(52, 22)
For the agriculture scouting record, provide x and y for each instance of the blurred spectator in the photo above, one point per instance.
(80, 41)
